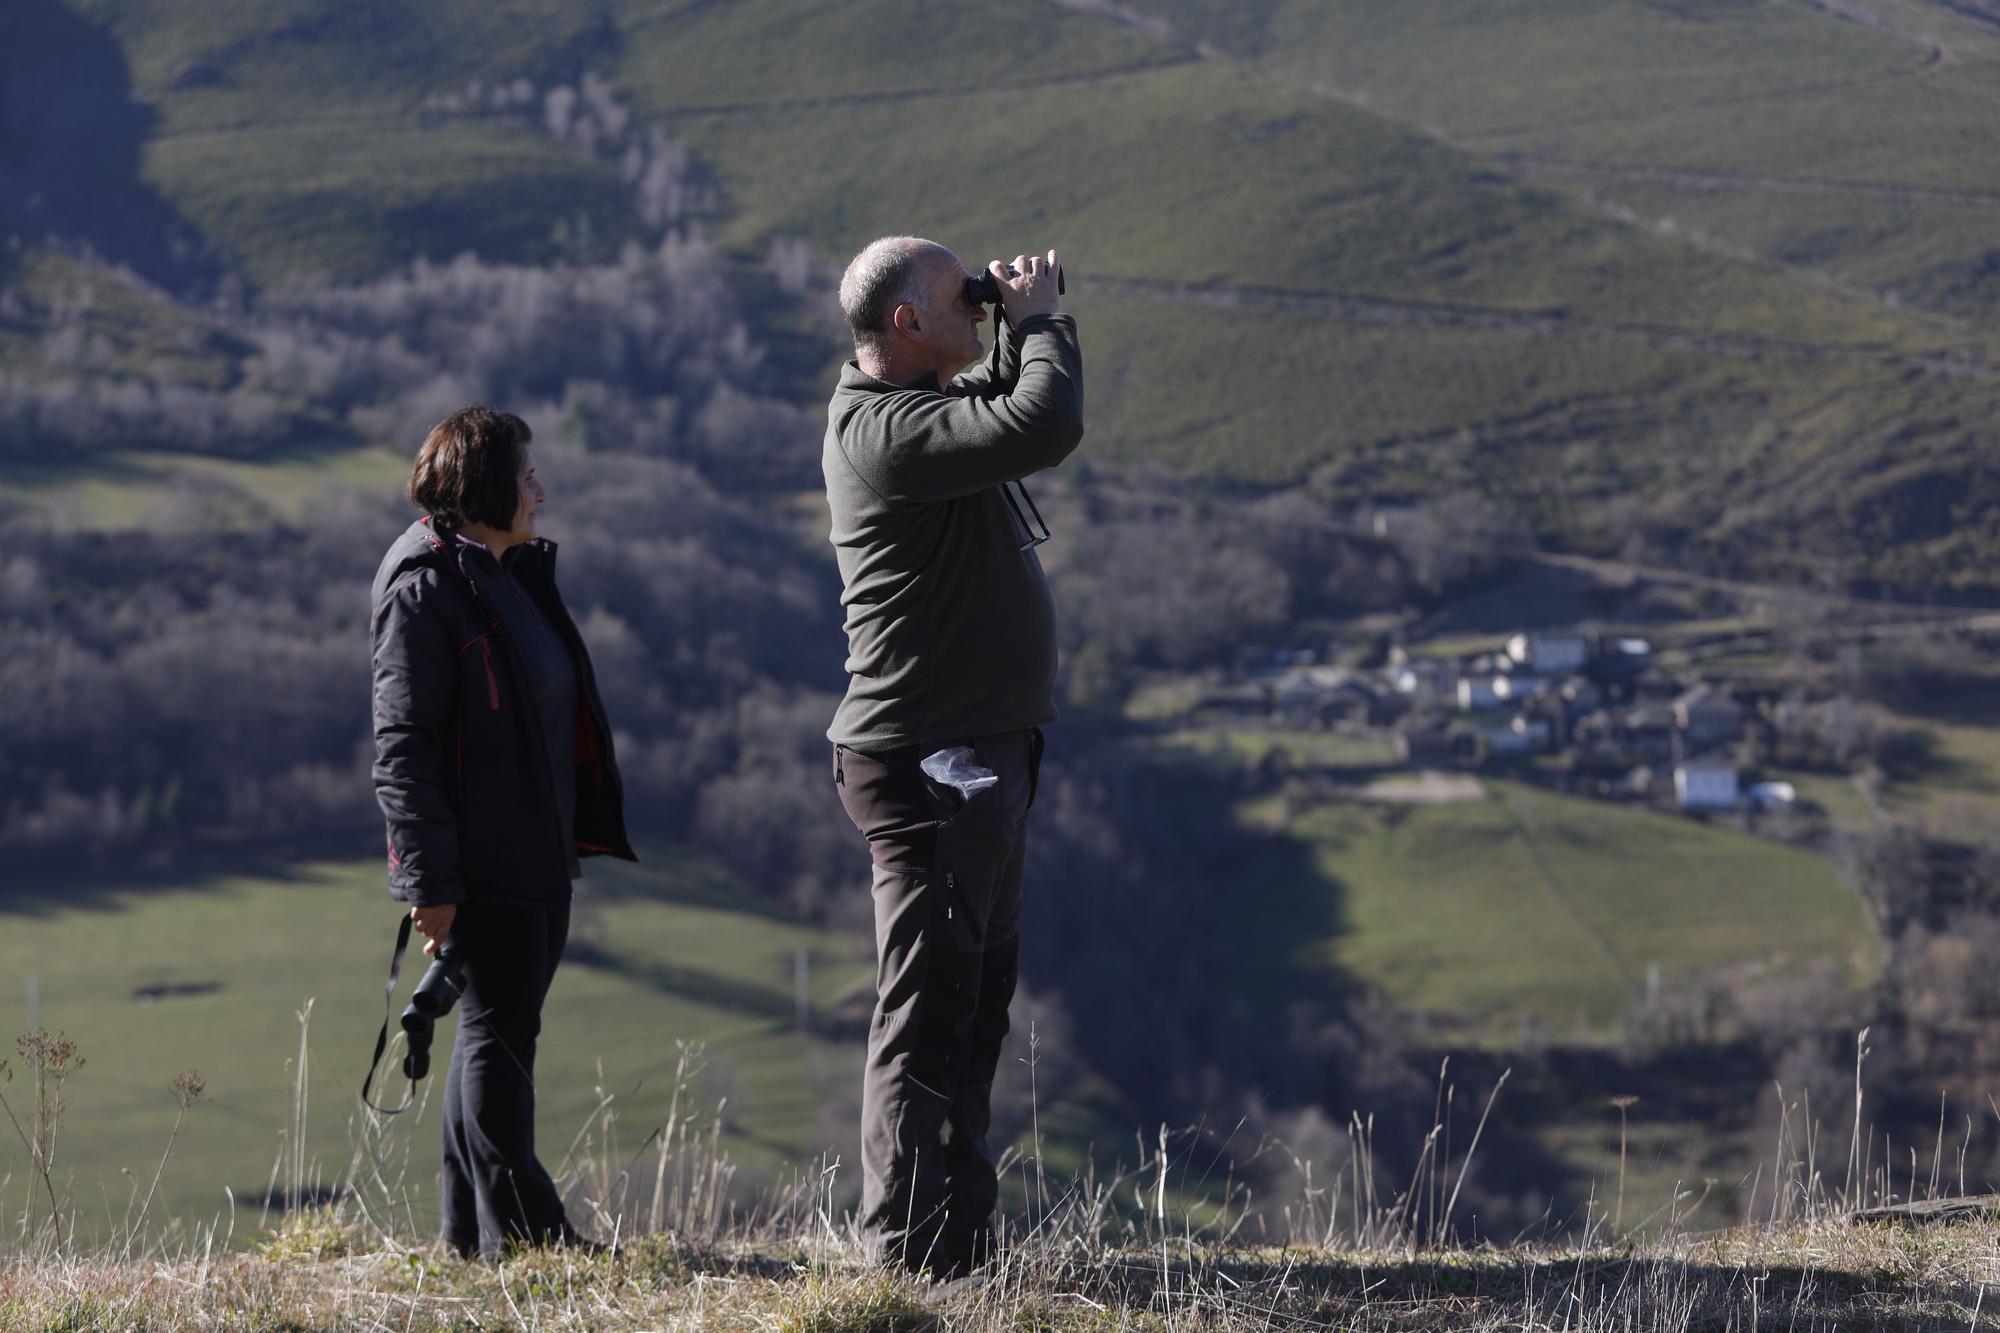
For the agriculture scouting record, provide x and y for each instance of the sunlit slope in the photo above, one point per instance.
(1191, 173)
(1531, 907)
(1355, 244)
(1147, 163)
(1850, 139)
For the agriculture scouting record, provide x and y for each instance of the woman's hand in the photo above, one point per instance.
(435, 925)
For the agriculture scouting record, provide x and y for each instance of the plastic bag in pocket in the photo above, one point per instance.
(959, 768)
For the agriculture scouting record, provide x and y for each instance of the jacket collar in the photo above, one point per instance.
(535, 557)
(852, 376)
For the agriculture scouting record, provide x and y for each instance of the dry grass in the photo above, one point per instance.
(1137, 1249)
(1822, 1275)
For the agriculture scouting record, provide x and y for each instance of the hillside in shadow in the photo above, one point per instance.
(71, 138)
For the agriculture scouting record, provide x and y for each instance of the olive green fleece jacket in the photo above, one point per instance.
(950, 628)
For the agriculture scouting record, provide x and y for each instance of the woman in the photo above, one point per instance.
(493, 766)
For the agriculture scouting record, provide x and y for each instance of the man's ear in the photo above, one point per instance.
(907, 320)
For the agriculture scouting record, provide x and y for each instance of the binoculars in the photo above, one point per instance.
(982, 288)
(443, 983)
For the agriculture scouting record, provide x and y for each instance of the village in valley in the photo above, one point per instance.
(1599, 714)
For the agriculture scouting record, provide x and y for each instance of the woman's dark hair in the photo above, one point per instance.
(469, 470)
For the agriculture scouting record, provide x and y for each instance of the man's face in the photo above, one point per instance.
(950, 321)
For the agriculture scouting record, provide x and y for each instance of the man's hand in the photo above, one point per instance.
(434, 923)
(1034, 292)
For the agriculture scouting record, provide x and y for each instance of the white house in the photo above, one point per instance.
(1477, 694)
(1705, 787)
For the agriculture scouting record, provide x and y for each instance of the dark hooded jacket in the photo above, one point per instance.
(462, 770)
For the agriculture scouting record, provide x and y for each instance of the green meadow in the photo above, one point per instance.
(152, 979)
(1531, 907)
(1499, 910)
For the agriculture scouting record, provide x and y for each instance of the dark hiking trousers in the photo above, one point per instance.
(495, 1189)
(947, 888)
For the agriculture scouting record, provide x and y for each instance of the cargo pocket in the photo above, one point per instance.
(967, 866)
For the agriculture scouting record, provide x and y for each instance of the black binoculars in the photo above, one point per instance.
(443, 983)
(982, 288)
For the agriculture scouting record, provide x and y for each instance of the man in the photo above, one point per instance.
(951, 643)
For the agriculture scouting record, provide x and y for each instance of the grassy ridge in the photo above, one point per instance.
(1194, 173)
(1776, 98)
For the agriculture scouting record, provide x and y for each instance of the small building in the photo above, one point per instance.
(1523, 736)
(1622, 661)
(1478, 694)
(1708, 716)
(1430, 743)
(1646, 732)
(1655, 684)
(1391, 521)
(1311, 701)
(1705, 787)
(1550, 654)
(1580, 697)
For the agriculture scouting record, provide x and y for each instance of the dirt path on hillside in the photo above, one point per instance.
(1932, 62)
(833, 101)
(1920, 616)
(1936, 56)
(1702, 179)
(1867, 16)
(1558, 323)
(1982, 14)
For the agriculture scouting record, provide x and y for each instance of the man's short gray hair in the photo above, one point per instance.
(888, 273)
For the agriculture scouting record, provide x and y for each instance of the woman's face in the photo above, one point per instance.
(532, 498)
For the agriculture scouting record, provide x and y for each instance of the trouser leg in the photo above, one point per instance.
(947, 906)
(459, 1203)
(907, 1088)
(511, 957)
(972, 1186)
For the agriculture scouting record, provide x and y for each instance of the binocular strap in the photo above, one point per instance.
(388, 1017)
